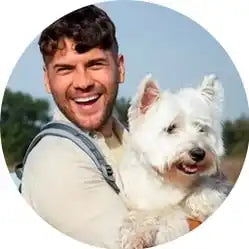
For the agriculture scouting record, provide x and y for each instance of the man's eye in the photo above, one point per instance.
(64, 69)
(97, 66)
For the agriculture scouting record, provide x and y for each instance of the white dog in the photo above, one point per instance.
(174, 149)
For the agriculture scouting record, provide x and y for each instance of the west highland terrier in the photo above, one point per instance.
(170, 163)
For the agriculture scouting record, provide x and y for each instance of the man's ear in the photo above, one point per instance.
(148, 93)
(46, 79)
(121, 68)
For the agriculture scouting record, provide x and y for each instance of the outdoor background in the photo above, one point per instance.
(153, 39)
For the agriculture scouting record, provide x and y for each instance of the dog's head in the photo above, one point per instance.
(178, 134)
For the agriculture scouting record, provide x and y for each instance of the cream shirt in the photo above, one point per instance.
(63, 185)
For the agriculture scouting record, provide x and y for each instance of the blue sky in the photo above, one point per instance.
(154, 39)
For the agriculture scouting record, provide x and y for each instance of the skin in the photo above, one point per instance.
(72, 78)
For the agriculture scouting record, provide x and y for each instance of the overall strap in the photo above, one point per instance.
(81, 139)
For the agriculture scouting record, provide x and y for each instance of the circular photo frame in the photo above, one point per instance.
(130, 165)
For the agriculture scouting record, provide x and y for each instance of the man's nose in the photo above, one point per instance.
(82, 79)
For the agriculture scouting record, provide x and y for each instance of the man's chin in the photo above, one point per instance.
(89, 126)
(93, 123)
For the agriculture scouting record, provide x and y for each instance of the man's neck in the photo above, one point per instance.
(106, 130)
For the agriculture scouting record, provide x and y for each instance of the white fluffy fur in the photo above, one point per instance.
(159, 195)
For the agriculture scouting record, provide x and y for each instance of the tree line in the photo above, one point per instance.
(22, 117)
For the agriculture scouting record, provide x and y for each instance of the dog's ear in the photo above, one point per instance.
(147, 94)
(212, 91)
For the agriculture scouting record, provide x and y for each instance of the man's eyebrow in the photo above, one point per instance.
(97, 60)
(62, 65)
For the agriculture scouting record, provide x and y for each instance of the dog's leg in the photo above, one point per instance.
(206, 197)
(138, 230)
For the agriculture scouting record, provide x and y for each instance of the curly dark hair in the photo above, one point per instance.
(89, 27)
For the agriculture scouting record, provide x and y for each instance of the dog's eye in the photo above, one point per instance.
(171, 128)
(202, 129)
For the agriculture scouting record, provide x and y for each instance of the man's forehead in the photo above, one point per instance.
(66, 51)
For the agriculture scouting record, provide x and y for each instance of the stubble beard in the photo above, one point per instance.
(103, 120)
(108, 112)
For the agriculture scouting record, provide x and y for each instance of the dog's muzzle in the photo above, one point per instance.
(195, 160)
(197, 154)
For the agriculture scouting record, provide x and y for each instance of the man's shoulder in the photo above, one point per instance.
(55, 144)
(57, 150)
(58, 146)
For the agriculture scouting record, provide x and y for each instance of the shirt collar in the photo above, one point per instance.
(118, 128)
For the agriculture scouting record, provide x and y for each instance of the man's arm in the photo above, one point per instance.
(65, 188)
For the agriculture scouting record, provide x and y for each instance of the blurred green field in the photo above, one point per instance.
(231, 167)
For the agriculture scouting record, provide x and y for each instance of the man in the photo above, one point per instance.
(82, 72)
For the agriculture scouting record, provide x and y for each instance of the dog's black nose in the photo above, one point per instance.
(197, 154)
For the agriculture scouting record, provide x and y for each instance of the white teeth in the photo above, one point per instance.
(84, 100)
(189, 169)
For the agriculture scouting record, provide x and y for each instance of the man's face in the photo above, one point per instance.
(84, 86)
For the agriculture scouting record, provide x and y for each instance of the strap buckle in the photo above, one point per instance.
(107, 171)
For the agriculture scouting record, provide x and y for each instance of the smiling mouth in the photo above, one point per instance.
(189, 169)
(87, 101)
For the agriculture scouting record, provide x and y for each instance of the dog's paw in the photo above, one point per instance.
(138, 241)
(132, 243)
(202, 204)
(172, 226)
(138, 231)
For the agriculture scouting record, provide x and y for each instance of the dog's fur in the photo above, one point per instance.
(174, 149)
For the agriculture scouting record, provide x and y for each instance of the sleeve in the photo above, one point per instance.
(65, 188)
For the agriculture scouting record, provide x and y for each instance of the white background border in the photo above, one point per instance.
(21, 21)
